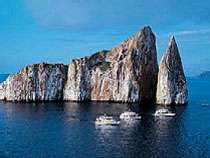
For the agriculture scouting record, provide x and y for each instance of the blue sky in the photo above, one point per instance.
(33, 31)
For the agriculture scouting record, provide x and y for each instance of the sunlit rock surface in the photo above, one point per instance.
(171, 87)
(126, 73)
(38, 82)
(1, 92)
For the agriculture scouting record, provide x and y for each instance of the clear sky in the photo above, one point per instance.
(33, 31)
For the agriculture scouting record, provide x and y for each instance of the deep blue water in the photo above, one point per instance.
(3, 77)
(68, 130)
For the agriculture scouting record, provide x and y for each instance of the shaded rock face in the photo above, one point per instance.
(38, 82)
(171, 87)
(127, 73)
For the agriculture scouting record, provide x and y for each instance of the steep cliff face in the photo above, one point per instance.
(38, 82)
(126, 73)
(171, 87)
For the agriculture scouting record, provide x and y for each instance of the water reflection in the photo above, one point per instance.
(105, 131)
(68, 130)
(130, 124)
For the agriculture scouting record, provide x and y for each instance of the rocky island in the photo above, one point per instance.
(126, 73)
(204, 75)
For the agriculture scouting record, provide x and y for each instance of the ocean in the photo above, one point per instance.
(3, 77)
(67, 129)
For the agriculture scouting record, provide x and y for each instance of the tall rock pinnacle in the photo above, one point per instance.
(126, 73)
(171, 87)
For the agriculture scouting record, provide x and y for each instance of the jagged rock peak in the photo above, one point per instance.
(126, 73)
(171, 87)
(172, 46)
(145, 29)
(144, 33)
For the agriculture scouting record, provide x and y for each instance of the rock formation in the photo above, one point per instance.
(126, 73)
(38, 82)
(171, 87)
(1, 92)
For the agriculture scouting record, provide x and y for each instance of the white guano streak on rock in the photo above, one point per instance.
(2, 93)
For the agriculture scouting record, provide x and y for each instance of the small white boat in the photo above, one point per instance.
(129, 116)
(106, 120)
(164, 112)
(205, 104)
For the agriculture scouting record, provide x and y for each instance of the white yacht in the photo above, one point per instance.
(164, 112)
(129, 116)
(106, 120)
